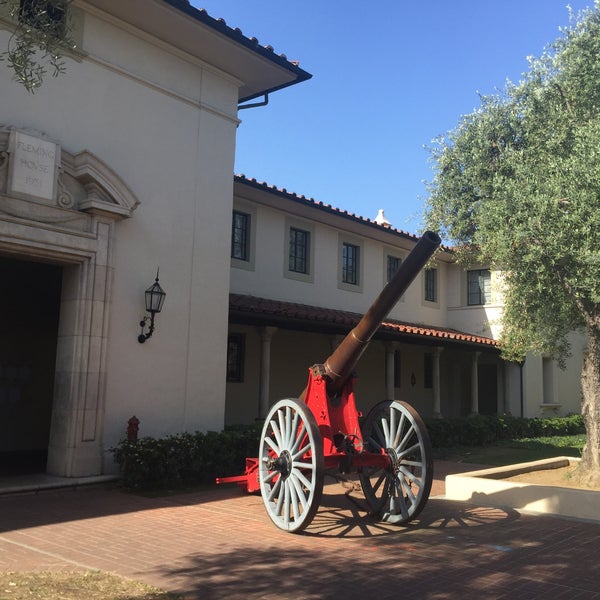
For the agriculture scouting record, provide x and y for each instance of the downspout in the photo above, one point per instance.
(255, 104)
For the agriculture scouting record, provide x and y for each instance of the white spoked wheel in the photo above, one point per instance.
(291, 465)
(398, 492)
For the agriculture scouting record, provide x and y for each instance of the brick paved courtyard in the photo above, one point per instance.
(221, 544)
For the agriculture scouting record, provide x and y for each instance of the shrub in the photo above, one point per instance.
(198, 458)
(186, 458)
(478, 430)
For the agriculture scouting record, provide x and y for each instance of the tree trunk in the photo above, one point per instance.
(589, 470)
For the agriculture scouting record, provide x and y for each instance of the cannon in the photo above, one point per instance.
(320, 430)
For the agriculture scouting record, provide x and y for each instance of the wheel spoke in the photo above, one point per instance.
(393, 432)
(270, 476)
(395, 443)
(296, 452)
(275, 490)
(407, 491)
(411, 477)
(409, 451)
(412, 463)
(374, 443)
(299, 493)
(293, 429)
(291, 423)
(277, 434)
(398, 504)
(282, 429)
(280, 498)
(305, 482)
(405, 439)
(385, 426)
(272, 445)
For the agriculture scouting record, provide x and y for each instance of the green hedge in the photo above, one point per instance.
(185, 459)
(479, 430)
(198, 458)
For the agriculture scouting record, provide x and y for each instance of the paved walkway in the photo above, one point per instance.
(221, 544)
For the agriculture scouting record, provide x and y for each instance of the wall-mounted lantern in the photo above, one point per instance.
(155, 298)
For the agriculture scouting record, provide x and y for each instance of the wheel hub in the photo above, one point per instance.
(283, 464)
(394, 460)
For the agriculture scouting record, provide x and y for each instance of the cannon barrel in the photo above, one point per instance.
(339, 366)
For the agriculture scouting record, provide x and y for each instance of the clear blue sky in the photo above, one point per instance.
(388, 77)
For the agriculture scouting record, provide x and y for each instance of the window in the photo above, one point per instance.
(235, 356)
(428, 370)
(430, 285)
(350, 264)
(393, 264)
(299, 250)
(349, 275)
(44, 14)
(240, 236)
(479, 287)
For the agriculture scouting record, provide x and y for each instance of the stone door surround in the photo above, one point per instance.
(62, 208)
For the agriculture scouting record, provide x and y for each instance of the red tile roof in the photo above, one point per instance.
(266, 309)
(284, 193)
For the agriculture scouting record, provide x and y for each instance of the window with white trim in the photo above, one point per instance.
(479, 287)
(350, 263)
(430, 282)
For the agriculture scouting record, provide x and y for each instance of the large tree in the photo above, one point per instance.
(517, 186)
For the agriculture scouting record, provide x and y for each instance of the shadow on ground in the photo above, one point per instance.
(453, 551)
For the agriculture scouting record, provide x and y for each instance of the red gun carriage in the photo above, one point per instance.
(302, 438)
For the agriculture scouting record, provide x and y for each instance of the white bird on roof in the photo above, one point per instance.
(381, 220)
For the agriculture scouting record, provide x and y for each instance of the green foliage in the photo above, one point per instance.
(517, 187)
(185, 459)
(40, 36)
(197, 458)
(479, 430)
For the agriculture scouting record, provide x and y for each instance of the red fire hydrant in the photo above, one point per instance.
(133, 426)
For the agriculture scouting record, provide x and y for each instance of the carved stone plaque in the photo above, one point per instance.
(32, 165)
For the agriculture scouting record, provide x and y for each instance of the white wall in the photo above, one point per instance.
(550, 390)
(167, 127)
(267, 279)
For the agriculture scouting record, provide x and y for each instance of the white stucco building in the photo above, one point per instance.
(436, 349)
(123, 166)
(119, 167)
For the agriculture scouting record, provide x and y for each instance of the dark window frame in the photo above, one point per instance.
(240, 235)
(393, 264)
(350, 263)
(430, 282)
(299, 251)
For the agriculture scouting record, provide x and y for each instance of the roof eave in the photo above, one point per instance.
(259, 69)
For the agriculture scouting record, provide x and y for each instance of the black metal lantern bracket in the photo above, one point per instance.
(155, 298)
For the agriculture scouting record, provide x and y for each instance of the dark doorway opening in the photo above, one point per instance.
(29, 311)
